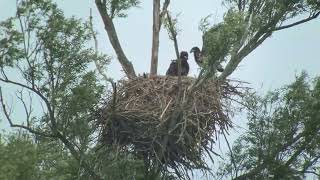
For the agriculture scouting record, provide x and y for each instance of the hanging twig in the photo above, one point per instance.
(173, 33)
(231, 154)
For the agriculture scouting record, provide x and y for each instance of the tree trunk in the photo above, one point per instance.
(155, 38)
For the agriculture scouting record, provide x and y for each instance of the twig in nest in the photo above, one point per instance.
(164, 111)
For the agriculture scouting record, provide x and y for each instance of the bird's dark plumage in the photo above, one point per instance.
(173, 68)
(199, 57)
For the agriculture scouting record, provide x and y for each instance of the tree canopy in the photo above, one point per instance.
(282, 141)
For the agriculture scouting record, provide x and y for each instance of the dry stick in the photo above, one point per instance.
(231, 154)
(165, 109)
(173, 33)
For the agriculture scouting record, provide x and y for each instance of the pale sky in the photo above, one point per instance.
(272, 65)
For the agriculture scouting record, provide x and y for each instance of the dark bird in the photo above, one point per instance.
(173, 68)
(199, 57)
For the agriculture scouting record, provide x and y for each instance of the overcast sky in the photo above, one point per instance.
(272, 65)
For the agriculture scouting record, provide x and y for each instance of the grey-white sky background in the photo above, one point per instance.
(272, 65)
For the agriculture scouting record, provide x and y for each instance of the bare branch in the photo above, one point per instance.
(48, 105)
(231, 153)
(164, 10)
(311, 17)
(28, 128)
(172, 30)
(3, 73)
(113, 38)
(27, 111)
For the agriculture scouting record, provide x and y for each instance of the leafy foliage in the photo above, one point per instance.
(221, 40)
(118, 8)
(246, 25)
(283, 137)
(18, 158)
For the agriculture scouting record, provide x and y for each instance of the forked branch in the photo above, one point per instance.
(12, 124)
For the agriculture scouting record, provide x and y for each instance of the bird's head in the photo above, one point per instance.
(197, 53)
(195, 50)
(184, 55)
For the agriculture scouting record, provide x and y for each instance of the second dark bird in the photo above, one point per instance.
(173, 68)
(199, 57)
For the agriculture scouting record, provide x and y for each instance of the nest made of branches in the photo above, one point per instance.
(165, 123)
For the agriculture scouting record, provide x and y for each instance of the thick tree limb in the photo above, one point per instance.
(113, 38)
(155, 38)
(237, 58)
(157, 21)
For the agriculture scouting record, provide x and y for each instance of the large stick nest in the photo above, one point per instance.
(147, 117)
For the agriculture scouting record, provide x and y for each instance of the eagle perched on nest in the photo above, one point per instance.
(173, 68)
(200, 56)
(215, 47)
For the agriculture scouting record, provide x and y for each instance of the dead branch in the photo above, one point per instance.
(113, 38)
(10, 121)
(311, 17)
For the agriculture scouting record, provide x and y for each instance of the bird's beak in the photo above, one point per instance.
(192, 50)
